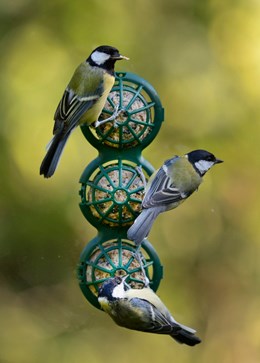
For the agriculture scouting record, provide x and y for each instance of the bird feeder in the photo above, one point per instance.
(112, 187)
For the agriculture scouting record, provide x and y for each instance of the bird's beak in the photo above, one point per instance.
(124, 281)
(120, 56)
(219, 161)
(125, 277)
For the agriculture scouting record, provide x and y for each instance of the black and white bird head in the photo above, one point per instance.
(105, 57)
(114, 288)
(202, 160)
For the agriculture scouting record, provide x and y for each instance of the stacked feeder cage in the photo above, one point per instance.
(112, 187)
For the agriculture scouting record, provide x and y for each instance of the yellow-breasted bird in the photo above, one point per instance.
(142, 310)
(82, 101)
(168, 187)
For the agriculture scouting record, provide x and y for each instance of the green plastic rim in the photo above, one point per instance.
(140, 118)
(105, 258)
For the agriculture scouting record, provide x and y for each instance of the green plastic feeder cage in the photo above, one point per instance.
(112, 193)
(105, 257)
(140, 118)
(112, 187)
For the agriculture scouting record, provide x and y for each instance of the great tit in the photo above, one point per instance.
(142, 310)
(82, 101)
(168, 187)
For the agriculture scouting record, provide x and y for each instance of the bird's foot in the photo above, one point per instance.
(138, 256)
(139, 170)
(111, 118)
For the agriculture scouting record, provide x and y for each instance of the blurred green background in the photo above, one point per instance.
(203, 58)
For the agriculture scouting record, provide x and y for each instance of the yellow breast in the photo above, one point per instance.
(94, 112)
(184, 175)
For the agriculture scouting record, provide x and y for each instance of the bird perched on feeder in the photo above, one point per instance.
(142, 310)
(168, 187)
(82, 101)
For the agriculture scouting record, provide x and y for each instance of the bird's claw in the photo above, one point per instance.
(115, 114)
(146, 281)
(139, 170)
(138, 256)
(111, 118)
(115, 124)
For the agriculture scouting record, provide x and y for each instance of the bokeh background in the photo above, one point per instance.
(203, 58)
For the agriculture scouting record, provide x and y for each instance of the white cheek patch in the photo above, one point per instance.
(99, 57)
(204, 165)
(118, 291)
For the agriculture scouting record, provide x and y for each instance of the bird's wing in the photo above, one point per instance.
(162, 190)
(155, 322)
(84, 90)
(71, 108)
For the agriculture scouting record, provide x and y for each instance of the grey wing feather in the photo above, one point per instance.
(162, 190)
(71, 108)
(153, 320)
(158, 323)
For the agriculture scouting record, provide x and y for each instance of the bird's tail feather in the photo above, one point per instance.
(50, 162)
(142, 225)
(184, 336)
